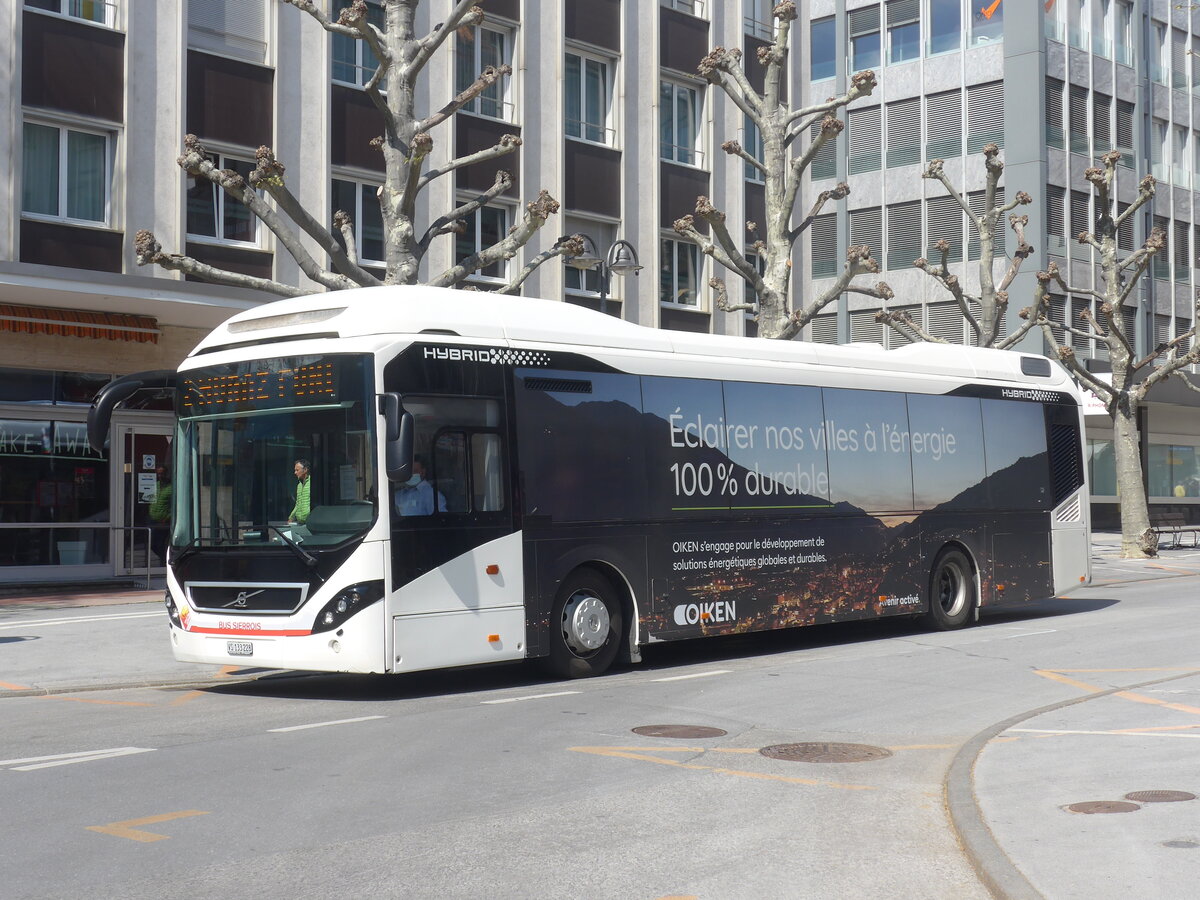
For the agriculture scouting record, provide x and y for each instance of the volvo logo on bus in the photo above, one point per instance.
(708, 613)
(240, 600)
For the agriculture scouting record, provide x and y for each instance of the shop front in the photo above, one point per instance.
(67, 512)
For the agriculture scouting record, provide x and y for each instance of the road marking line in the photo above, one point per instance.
(694, 675)
(126, 830)
(1005, 637)
(186, 698)
(65, 759)
(13, 687)
(1122, 733)
(1124, 695)
(637, 754)
(72, 620)
(529, 697)
(324, 724)
(100, 702)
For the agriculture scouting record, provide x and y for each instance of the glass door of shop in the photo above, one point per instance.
(144, 505)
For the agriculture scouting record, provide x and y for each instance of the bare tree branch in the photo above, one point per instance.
(506, 248)
(566, 247)
(149, 251)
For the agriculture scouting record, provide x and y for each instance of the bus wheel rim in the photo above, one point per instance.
(952, 591)
(585, 623)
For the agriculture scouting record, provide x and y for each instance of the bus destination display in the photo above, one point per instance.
(299, 385)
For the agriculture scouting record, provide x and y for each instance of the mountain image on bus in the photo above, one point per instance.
(398, 479)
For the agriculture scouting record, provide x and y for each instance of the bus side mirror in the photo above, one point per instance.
(398, 437)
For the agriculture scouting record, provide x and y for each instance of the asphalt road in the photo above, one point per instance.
(495, 783)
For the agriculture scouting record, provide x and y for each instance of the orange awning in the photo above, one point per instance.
(80, 323)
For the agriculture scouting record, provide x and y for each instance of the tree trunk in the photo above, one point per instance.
(1137, 541)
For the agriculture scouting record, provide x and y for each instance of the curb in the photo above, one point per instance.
(995, 869)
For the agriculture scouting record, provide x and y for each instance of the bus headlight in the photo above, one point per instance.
(348, 601)
(172, 609)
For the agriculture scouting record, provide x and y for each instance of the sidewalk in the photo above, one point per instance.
(68, 596)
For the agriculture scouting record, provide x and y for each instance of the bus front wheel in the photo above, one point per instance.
(585, 626)
(951, 591)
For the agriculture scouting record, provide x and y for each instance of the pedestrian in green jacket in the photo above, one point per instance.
(299, 513)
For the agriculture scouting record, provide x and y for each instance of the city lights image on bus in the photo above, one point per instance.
(407, 478)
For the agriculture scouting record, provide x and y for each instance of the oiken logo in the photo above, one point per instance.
(706, 613)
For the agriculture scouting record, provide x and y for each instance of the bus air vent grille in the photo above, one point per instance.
(559, 385)
(1069, 512)
(1065, 462)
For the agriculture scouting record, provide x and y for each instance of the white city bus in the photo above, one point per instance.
(590, 485)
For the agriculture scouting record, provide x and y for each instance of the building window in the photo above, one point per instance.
(943, 125)
(213, 214)
(1158, 149)
(985, 116)
(864, 38)
(864, 129)
(354, 62)
(1077, 105)
(945, 222)
(679, 281)
(1056, 230)
(904, 30)
(987, 25)
(903, 234)
(1160, 63)
(824, 164)
(1123, 33)
(822, 52)
(679, 123)
(1179, 156)
(482, 229)
(823, 244)
(361, 201)
(588, 92)
(691, 7)
(233, 27)
(904, 132)
(475, 50)
(945, 25)
(67, 173)
(752, 143)
(758, 21)
(866, 228)
(1101, 122)
(1055, 135)
(603, 235)
(97, 11)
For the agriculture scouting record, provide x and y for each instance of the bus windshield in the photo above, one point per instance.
(275, 452)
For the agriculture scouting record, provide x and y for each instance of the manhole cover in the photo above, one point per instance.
(685, 732)
(818, 752)
(1182, 845)
(1159, 796)
(1092, 807)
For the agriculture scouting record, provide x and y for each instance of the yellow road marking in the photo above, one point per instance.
(1057, 675)
(126, 829)
(185, 698)
(639, 754)
(226, 671)
(13, 687)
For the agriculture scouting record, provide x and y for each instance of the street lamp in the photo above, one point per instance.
(621, 258)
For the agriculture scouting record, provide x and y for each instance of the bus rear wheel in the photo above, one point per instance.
(585, 626)
(951, 591)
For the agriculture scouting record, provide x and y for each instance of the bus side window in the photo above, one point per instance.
(487, 467)
(450, 475)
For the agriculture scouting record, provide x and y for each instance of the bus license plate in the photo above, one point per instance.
(240, 648)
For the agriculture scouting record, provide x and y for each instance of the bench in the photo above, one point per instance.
(1175, 525)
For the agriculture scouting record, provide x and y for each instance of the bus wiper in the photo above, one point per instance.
(185, 551)
(308, 558)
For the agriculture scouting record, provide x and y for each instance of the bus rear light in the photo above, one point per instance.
(1000, 588)
(493, 569)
